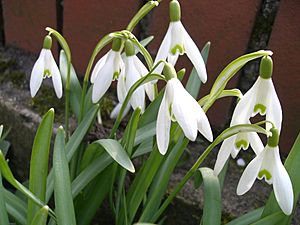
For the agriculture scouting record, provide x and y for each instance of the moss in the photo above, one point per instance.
(8, 72)
(46, 99)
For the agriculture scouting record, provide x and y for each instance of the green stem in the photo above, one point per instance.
(67, 102)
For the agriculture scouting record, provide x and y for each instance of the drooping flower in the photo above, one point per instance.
(268, 165)
(134, 70)
(233, 145)
(261, 98)
(176, 42)
(106, 70)
(45, 66)
(179, 105)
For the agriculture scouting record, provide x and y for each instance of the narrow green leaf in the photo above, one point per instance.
(225, 134)
(73, 144)
(16, 207)
(141, 183)
(275, 218)
(3, 212)
(62, 184)
(90, 172)
(41, 216)
(4, 146)
(117, 152)
(39, 163)
(75, 87)
(7, 174)
(212, 209)
(229, 71)
(292, 165)
(145, 132)
(248, 218)
(160, 182)
(93, 196)
(144, 42)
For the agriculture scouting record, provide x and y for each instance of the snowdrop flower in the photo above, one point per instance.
(134, 70)
(233, 145)
(45, 66)
(268, 165)
(177, 42)
(106, 70)
(261, 98)
(179, 105)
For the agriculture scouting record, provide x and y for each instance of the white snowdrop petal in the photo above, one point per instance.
(132, 75)
(163, 51)
(115, 112)
(274, 110)
(244, 108)
(204, 126)
(37, 75)
(173, 58)
(98, 67)
(262, 95)
(249, 175)
(282, 185)
(255, 142)
(103, 80)
(121, 87)
(223, 154)
(183, 110)
(163, 125)
(56, 78)
(194, 55)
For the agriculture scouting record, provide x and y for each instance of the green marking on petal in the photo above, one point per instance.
(260, 108)
(116, 75)
(265, 173)
(47, 73)
(242, 143)
(178, 48)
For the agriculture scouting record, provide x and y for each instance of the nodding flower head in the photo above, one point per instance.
(177, 104)
(44, 67)
(177, 41)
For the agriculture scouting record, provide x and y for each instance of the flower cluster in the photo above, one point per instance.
(177, 105)
(262, 99)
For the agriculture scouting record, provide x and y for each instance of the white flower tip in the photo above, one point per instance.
(162, 150)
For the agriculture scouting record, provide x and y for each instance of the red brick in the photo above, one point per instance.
(85, 23)
(285, 43)
(25, 22)
(227, 25)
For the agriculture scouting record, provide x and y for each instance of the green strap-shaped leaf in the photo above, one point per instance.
(16, 207)
(117, 152)
(62, 184)
(273, 219)
(225, 134)
(73, 144)
(8, 175)
(229, 71)
(248, 218)
(212, 209)
(292, 165)
(3, 212)
(41, 216)
(39, 163)
(75, 87)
